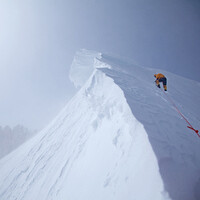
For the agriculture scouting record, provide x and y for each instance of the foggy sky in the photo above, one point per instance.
(38, 39)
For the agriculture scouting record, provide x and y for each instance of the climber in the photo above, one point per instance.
(161, 78)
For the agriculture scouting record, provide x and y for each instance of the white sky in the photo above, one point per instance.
(38, 39)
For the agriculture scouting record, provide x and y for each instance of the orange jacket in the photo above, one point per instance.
(159, 76)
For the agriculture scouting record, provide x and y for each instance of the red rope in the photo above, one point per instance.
(190, 126)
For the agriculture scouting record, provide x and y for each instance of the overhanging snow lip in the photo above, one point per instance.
(83, 66)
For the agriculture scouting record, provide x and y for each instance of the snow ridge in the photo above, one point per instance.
(118, 138)
(175, 146)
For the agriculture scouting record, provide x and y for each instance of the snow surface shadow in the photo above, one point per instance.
(165, 129)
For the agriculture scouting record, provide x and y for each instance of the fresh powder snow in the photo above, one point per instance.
(118, 138)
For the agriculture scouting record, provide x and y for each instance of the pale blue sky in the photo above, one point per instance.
(38, 39)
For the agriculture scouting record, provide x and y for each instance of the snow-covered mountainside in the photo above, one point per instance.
(118, 138)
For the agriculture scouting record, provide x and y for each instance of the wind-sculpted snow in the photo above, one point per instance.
(83, 66)
(118, 138)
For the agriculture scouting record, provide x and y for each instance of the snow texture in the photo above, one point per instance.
(118, 138)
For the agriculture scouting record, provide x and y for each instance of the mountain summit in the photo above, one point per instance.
(118, 138)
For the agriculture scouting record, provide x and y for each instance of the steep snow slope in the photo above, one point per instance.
(118, 138)
(176, 147)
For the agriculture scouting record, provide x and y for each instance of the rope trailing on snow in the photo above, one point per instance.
(190, 126)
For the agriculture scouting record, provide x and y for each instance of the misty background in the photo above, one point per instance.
(38, 40)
